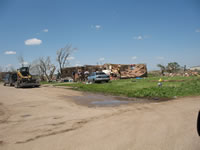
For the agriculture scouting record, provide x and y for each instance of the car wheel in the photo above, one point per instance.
(4, 84)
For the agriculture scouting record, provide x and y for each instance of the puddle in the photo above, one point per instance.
(98, 100)
(110, 103)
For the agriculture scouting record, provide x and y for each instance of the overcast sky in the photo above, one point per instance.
(104, 31)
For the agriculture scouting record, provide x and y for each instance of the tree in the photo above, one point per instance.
(173, 67)
(21, 60)
(1, 69)
(34, 68)
(162, 68)
(1, 74)
(63, 56)
(47, 68)
(9, 68)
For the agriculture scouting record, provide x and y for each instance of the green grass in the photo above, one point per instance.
(147, 87)
(46, 82)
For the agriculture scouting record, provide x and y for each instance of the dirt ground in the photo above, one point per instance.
(49, 119)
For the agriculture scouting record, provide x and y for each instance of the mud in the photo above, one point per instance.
(100, 100)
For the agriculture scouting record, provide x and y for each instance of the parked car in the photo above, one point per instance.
(98, 77)
(10, 79)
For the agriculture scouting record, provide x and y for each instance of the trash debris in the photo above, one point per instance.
(187, 73)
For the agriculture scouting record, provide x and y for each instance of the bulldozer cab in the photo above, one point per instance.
(24, 71)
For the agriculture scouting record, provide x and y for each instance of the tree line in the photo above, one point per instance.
(43, 66)
(171, 67)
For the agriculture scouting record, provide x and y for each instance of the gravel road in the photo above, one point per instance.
(47, 118)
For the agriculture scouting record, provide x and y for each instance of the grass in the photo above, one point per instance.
(46, 82)
(147, 87)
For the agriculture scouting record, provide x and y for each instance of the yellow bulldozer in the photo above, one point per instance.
(21, 78)
(24, 78)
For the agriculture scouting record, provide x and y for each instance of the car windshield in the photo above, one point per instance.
(100, 73)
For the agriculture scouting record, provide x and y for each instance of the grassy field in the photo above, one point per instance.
(146, 87)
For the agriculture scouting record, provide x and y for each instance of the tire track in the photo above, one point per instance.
(75, 126)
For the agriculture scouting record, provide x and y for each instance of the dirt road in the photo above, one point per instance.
(48, 119)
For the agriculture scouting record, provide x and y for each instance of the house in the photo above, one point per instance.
(195, 68)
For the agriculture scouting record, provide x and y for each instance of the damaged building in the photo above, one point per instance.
(122, 71)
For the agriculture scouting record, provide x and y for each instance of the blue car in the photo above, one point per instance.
(100, 77)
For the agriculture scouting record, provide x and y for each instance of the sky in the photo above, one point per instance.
(103, 31)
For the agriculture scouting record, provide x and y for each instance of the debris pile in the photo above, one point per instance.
(136, 70)
(78, 73)
(116, 71)
(187, 73)
(126, 71)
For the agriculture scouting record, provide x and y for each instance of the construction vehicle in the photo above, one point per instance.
(10, 78)
(21, 78)
(25, 79)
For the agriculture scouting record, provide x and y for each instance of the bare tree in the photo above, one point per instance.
(1, 74)
(34, 68)
(9, 68)
(47, 68)
(162, 68)
(63, 56)
(12, 69)
(21, 60)
(173, 67)
(1, 69)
